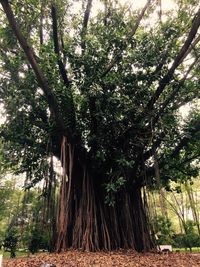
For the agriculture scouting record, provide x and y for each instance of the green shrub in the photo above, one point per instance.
(39, 240)
(163, 230)
(10, 242)
(189, 239)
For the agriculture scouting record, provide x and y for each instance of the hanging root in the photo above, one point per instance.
(85, 222)
(62, 209)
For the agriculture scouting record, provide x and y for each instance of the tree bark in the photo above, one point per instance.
(90, 224)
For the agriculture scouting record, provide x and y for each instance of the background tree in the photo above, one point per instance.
(101, 93)
(10, 242)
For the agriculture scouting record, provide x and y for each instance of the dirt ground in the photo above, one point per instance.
(103, 259)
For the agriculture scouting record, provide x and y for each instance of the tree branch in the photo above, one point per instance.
(85, 23)
(188, 45)
(196, 156)
(56, 46)
(192, 47)
(173, 94)
(185, 140)
(177, 61)
(41, 33)
(51, 100)
(156, 144)
(150, 171)
(132, 33)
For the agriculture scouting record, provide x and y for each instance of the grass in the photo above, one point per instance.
(19, 253)
(194, 249)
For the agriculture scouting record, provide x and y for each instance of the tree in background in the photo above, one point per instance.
(100, 92)
(10, 242)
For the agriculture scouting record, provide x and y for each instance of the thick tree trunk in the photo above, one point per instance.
(85, 222)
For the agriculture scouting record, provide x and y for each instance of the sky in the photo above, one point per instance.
(134, 4)
(2, 119)
(166, 4)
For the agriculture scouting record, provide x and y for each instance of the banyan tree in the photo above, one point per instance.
(98, 85)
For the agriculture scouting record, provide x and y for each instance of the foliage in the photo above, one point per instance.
(33, 231)
(6, 191)
(111, 189)
(163, 230)
(186, 241)
(166, 235)
(10, 241)
(38, 240)
(191, 238)
(10, 203)
(20, 210)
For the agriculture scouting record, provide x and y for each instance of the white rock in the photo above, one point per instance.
(165, 247)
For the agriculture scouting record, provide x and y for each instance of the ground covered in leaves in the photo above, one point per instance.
(103, 259)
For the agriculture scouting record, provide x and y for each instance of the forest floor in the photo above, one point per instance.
(103, 259)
